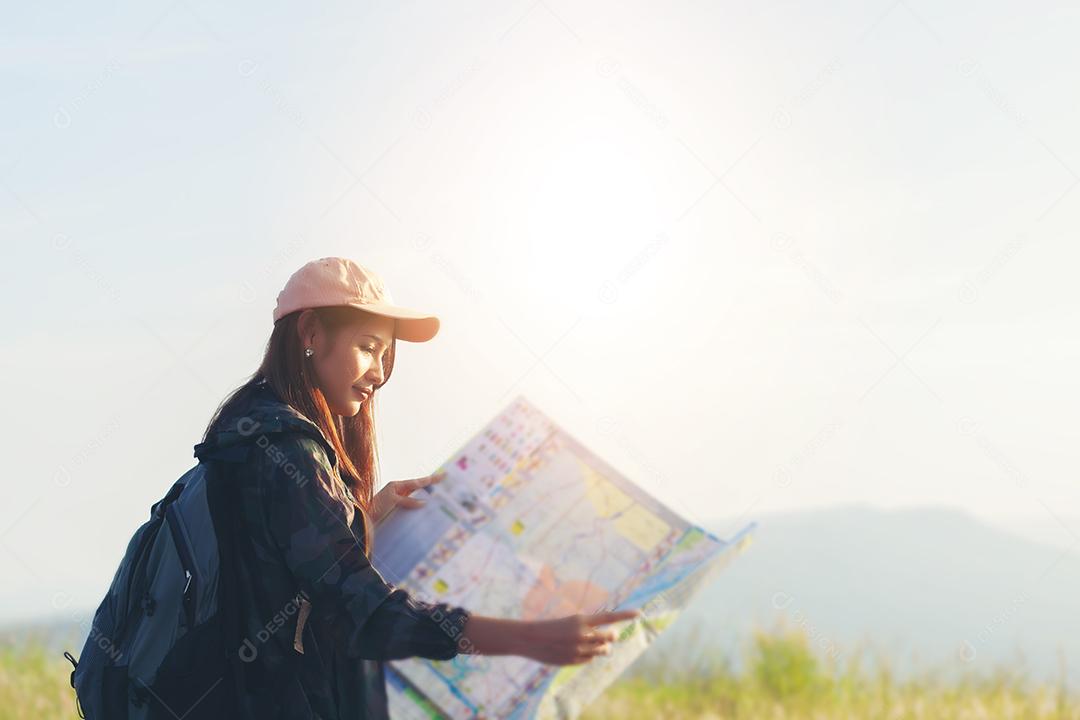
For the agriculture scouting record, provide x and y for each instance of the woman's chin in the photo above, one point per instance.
(349, 409)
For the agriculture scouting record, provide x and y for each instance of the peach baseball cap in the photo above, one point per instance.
(340, 281)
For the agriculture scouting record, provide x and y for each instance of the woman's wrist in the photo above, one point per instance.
(497, 636)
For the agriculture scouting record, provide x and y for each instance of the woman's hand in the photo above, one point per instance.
(564, 641)
(396, 494)
(573, 639)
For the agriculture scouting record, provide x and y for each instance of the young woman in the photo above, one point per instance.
(316, 618)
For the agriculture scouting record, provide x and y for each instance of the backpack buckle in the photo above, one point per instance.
(148, 604)
(138, 695)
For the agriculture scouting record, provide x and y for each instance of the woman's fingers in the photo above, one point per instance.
(599, 637)
(593, 641)
(588, 652)
(404, 487)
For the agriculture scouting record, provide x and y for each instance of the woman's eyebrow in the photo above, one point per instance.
(377, 338)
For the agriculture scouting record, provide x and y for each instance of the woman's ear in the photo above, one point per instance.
(306, 325)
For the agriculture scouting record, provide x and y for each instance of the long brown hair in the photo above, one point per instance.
(289, 373)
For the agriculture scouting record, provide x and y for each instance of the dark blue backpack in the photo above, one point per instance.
(163, 641)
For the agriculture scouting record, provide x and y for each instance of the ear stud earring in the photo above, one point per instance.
(308, 352)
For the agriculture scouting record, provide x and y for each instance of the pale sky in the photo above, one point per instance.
(761, 257)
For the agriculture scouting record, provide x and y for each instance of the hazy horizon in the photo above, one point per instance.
(64, 608)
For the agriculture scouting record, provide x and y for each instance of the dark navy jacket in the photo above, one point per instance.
(316, 618)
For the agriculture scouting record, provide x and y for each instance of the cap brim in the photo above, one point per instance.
(412, 325)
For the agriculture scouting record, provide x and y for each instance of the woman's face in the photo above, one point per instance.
(348, 372)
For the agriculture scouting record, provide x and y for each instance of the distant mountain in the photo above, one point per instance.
(931, 589)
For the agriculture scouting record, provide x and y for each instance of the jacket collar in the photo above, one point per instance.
(264, 414)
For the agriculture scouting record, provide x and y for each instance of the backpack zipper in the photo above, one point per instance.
(186, 562)
(128, 611)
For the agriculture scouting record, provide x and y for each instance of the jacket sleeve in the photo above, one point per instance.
(309, 523)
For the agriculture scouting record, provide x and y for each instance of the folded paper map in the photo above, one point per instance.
(530, 524)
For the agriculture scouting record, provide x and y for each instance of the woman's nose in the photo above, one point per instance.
(375, 372)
